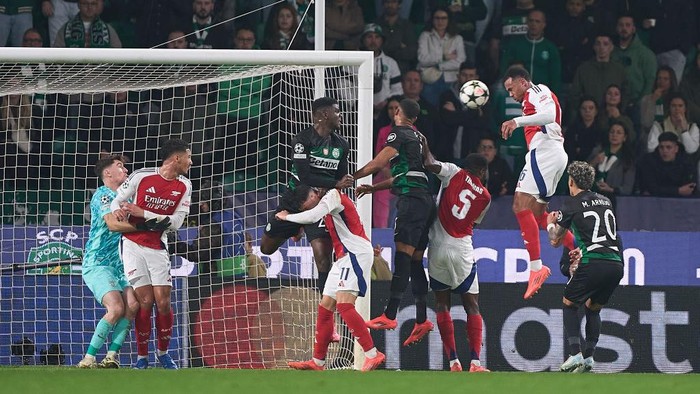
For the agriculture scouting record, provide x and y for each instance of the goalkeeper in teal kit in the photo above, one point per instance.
(103, 271)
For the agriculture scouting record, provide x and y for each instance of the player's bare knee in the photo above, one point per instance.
(441, 307)
(568, 303)
(163, 306)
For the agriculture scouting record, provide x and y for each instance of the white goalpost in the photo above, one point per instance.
(62, 109)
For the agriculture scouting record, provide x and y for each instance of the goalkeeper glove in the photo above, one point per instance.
(154, 224)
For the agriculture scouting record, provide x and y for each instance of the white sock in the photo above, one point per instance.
(142, 357)
(318, 362)
(536, 265)
(162, 352)
(112, 354)
(90, 357)
(476, 362)
(455, 361)
(371, 353)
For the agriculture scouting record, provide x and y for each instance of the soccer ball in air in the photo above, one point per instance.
(474, 94)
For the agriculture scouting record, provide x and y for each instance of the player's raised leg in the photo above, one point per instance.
(419, 288)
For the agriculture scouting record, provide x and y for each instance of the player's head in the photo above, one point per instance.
(111, 169)
(408, 110)
(581, 176)
(326, 111)
(178, 152)
(477, 165)
(306, 197)
(516, 80)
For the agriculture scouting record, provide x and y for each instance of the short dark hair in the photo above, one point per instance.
(467, 65)
(173, 146)
(669, 136)
(299, 196)
(582, 173)
(516, 71)
(105, 162)
(323, 102)
(410, 108)
(475, 163)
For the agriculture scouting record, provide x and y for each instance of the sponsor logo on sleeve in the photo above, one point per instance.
(391, 137)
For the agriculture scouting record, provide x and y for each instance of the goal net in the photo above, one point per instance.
(62, 109)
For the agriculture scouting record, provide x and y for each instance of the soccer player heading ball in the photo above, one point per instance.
(545, 163)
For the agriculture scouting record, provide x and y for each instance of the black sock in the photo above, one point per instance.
(572, 326)
(321, 282)
(592, 331)
(399, 282)
(419, 287)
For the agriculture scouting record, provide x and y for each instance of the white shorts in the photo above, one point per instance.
(143, 265)
(544, 167)
(453, 268)
(350, 273)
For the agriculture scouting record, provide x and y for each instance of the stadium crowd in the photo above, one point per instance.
(627, 75)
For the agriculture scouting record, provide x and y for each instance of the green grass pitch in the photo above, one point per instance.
(27, 380)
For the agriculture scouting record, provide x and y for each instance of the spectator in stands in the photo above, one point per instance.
(305, 17)
(344, 24)
(667, 172)
(511, 23)
(400, 42)
(594, 76)
(613, 110)
(652, 105)
(32, 39)
(86, 29)
(176, 40)
(465, 16)
(690, 89)
(240, 109)
(541, 56)
(583, 134)
(500, 180)
(216, 208)
(672, 30)
(383, 202)
(460, 127)
(614, 163)
(573, 34)
(255, 266)
(380, 267)
(15, 19)
(281, 26)
(18, 138)
(638, 60)
(156, 18)
(676, 122)
(205, 250)
(440, 52)
(58, 12)
(200, 33)
(387, 76)
(427, 120)
(244, 38)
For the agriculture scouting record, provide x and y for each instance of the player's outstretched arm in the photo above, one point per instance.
(369, 189)
(555, 232)
(380, 161)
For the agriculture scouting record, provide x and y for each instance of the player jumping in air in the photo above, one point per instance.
(415, 212)
(545, 163)
(161, 199)
(463, 202)
(320, 159)
(598, 265)
(103, 271)
(349, 275)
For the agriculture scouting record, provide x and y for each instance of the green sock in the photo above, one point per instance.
(121, 330)
(99, 337)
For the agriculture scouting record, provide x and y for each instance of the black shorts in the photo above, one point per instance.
(283, 229)
(596, 280)
(414, 215)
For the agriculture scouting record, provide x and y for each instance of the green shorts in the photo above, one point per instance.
(103, 279)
